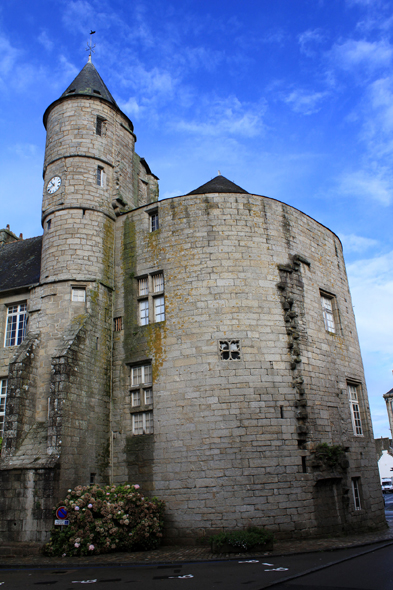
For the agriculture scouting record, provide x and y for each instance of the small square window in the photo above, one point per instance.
(230, 350)
(78, 294)
(154, 221)
(141, 375)
(142, 423)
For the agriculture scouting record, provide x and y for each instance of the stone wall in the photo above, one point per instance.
(234, 441)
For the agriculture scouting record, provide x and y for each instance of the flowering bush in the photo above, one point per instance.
(107, 518)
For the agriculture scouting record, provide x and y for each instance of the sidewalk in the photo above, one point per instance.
(179, 554)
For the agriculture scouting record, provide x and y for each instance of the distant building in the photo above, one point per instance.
(203, 346)
(388, 397)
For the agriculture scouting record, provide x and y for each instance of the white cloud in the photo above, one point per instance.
(45, 41)
(360, 55)
(226, 117)
(354, 243)
(304, 102)
(8, 57)
(131, 107)
(24, 150)
(308, 39)
(374, 184)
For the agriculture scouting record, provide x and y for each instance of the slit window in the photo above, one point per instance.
(118, 324)
(100, 126)
(100, 176)
(16, 324)
(3, 401)
(356, 493)
(154, 220)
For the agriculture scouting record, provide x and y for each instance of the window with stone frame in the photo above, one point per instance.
(78, 294)
(15, 330)
(230, 350)
(141, 392)
(151, 299)
(354, 394)
(356, 493)
(100, 126)
(100, 176)
(330, 313)
(153, 220)
(3, 401)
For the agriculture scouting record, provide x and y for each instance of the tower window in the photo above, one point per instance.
(100, 176)
(356, 493)
(100, 126)
(353, 393)
(118, 324)
(3, 400)
(230, 350)
(48, 224)
(151, 296)
(141, 399)
(16, 324)
(78, 294)
(330, 312)
(154, 220)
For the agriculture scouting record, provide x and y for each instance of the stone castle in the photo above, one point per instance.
(203, 346)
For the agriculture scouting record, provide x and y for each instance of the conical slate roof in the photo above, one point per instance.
(89, 83)
(219, 184)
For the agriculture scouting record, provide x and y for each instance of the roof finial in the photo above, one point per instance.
(219, 173)
(90, 47)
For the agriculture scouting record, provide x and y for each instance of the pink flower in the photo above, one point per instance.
(91, 547)
(76, 545)
(76, 507)
(90, 505)
(108, 494)
(136, 486)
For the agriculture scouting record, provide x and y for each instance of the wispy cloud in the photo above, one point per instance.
(24, 150)
(372, 292)
(45, 41)
(374, 184)
(309, 39)
(354, 243)
(227, 116)
(8, 56)
(361, 55)
(305, 102)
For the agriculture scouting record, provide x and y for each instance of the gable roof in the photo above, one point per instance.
(219, 184)
(20, 263)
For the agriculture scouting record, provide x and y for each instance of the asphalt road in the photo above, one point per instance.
(364, 568)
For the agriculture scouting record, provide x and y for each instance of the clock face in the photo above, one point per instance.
(53, 185)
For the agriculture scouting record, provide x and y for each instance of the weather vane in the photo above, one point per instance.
(90, 47)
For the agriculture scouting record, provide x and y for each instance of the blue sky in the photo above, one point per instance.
(292, 99)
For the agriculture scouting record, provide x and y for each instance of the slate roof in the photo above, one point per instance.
(219, 184)
(20, 263)
(89, 83)
(390, 391)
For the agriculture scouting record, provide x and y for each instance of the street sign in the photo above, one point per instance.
(62, 522)
(61, 512)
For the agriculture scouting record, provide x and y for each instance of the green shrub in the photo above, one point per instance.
(331, 456)
(108, 518)
(244, 540)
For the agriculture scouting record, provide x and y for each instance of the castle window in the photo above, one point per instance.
(354, 394)
(100, 126)
(141, 399)
(78, 294)
(100, 176)
(143, 312)
(230, 350)
(16, 324)
(118, 324)
(151, 297)
(328, 303)
(153, 220)
(48, 224)
(356, 493)
(3, 400)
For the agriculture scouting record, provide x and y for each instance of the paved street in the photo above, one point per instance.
(366, 568)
